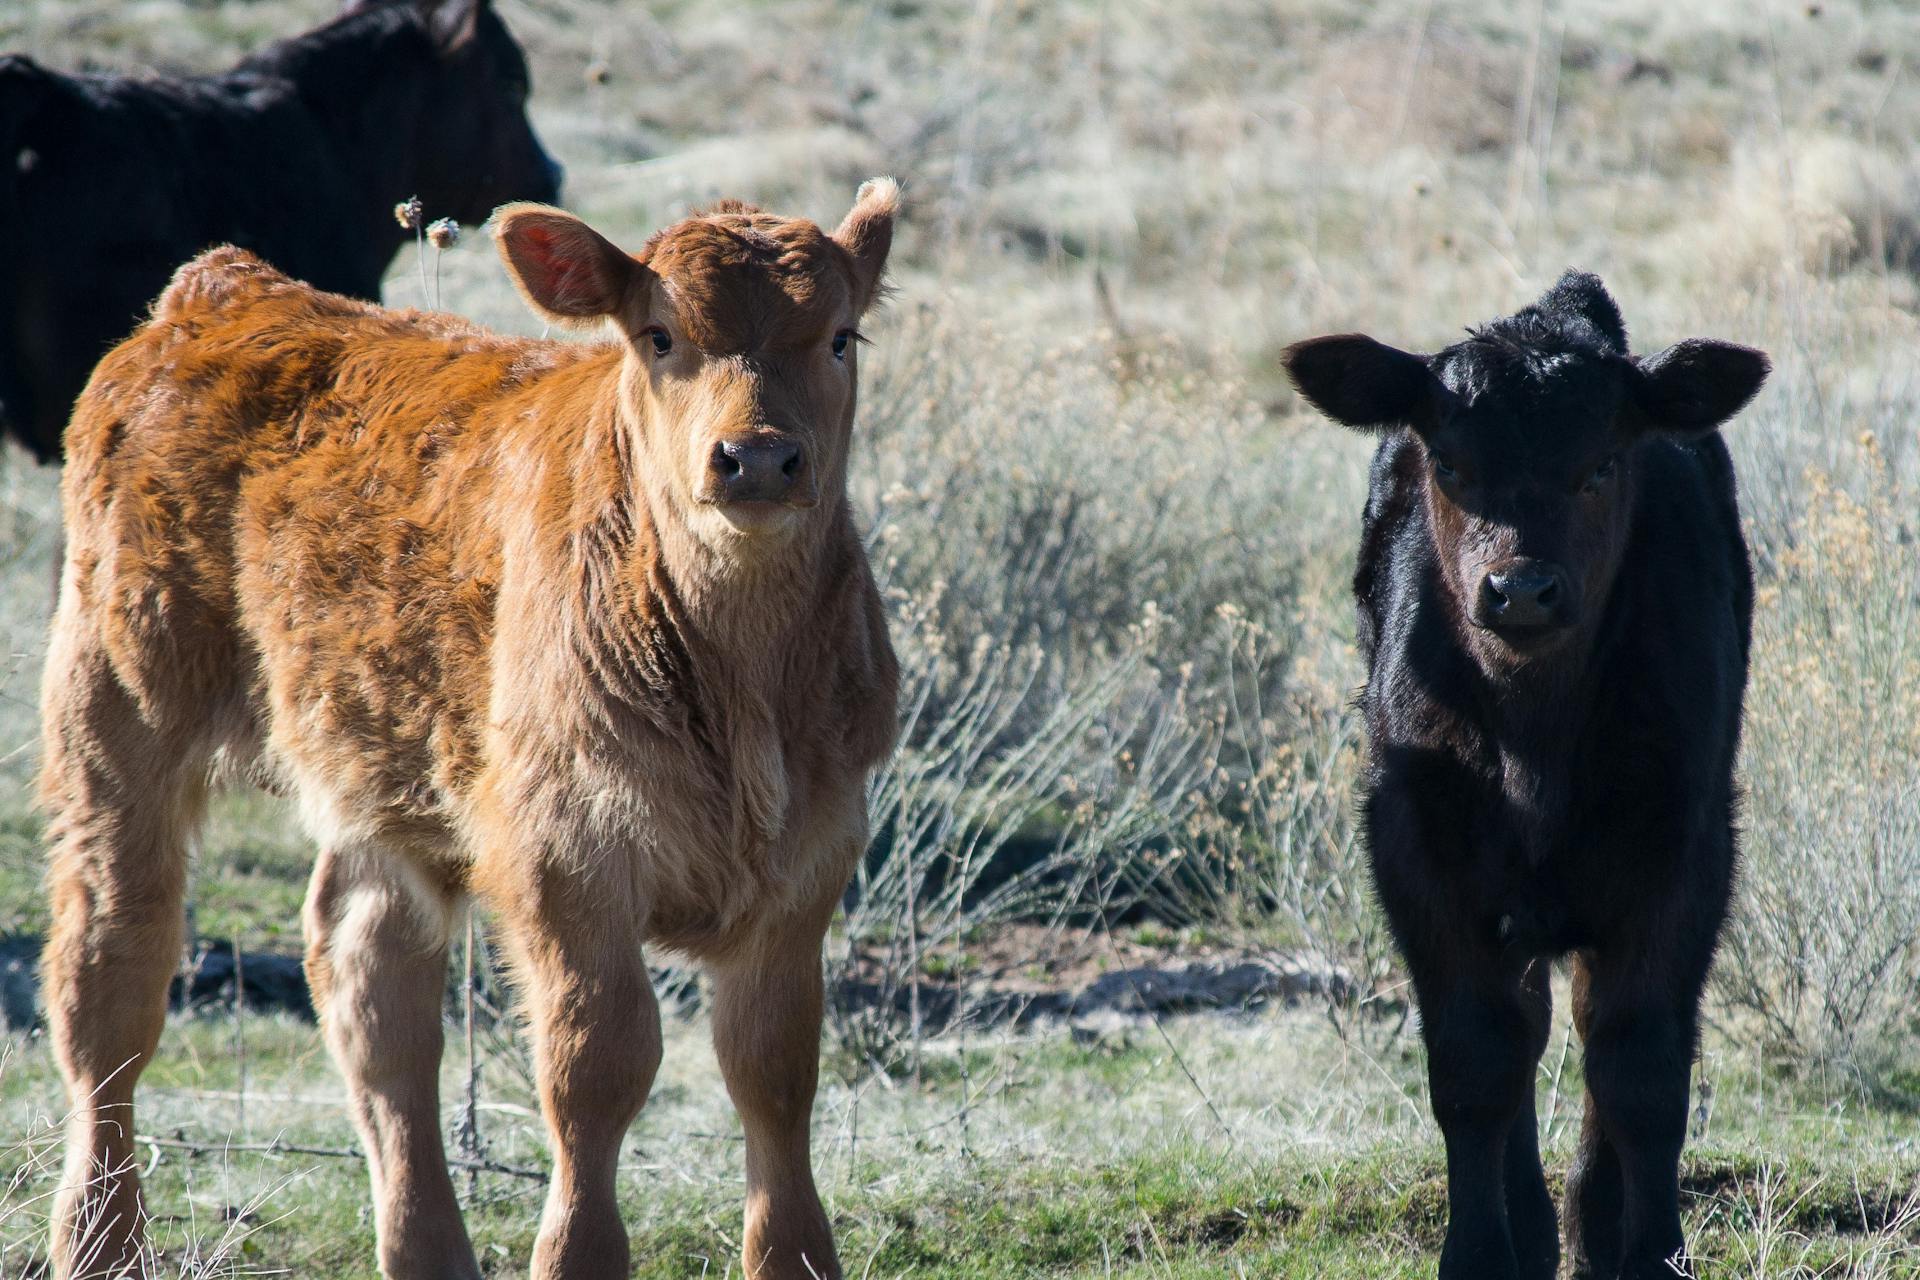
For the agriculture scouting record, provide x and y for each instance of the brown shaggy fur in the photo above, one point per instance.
(484, 607)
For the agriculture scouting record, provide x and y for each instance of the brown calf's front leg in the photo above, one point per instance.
(766, 1032)
(596, 1045)
(122, 801)
(377, 964)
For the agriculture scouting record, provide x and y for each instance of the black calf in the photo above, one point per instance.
(1555, 606)
(299, 153)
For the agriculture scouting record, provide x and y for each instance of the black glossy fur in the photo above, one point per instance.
(1554, 791)
(299, 153)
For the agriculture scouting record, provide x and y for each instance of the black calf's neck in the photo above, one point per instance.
(361, 78)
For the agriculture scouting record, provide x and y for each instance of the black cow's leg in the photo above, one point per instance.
(1481, 1074)
(1530, 1219)
(1594, 1203)
(1639, 1060)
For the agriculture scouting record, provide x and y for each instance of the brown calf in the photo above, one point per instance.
(583, 630)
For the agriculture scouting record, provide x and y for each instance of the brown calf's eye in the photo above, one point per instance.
(662, 340)
(840, 343)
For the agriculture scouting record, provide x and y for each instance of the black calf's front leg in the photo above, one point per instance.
(1484, 1033)
(1530, 1216)
(1639, 1052)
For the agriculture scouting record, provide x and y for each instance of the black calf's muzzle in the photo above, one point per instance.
(1526, 595)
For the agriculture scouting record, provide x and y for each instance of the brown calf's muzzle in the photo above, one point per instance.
(761, 469)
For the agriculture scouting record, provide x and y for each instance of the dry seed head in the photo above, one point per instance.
(407, 213)
(444, 233)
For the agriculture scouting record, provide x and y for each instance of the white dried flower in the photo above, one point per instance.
(408, 212)
(444, 233)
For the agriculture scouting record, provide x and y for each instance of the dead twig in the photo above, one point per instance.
(280, 1148)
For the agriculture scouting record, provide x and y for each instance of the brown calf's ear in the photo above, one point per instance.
(1359, 382)
(866, 233)
(1696, 385)
(569, 273)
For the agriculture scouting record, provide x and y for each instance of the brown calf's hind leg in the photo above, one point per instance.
(123, 800)
(766, 1030)
(377, 964)
(596, 1045)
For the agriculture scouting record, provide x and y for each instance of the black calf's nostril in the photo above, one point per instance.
(1549, 593)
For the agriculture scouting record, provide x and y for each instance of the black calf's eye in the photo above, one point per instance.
(840, 342)
(662, 340)
(1603, 473)
(1443, 468)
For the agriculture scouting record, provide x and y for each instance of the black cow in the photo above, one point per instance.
(300, 153)
(1555, 606)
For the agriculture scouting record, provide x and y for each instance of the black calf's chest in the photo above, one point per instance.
(1530, 852)
(1515, 862)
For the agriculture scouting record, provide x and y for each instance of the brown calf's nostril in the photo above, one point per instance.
(757, 469)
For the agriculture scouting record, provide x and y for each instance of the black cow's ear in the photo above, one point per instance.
(1696, 385)
(1359, 382)
(451, 22)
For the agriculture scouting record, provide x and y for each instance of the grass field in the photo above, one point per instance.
(1106, 529)
(1261, 1147)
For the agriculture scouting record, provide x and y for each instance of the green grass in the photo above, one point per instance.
(1288, 1153)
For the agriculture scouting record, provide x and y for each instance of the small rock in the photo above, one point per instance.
(1203, 986)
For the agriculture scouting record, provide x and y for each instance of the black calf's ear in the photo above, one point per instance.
(1359, 382)
(1696, 385)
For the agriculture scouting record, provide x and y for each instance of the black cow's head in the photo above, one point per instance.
(1528, 430)
(474, 147)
